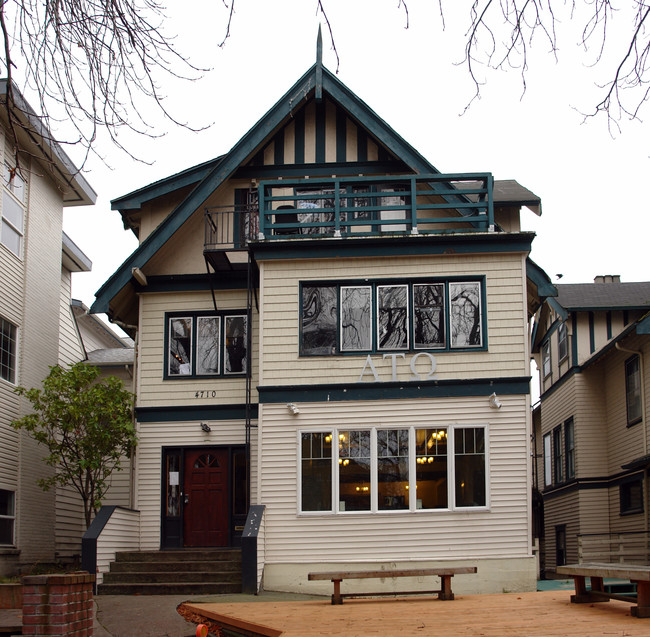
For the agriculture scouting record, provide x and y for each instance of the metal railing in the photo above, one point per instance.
(624, 548)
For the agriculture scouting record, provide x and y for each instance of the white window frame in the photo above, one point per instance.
(374, 505)
(10, 516)
(10, 190)
(548, 461)
(16, 341)
(562, 342)
(546, 359)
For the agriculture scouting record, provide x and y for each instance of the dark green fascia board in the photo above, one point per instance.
(193, 413)
(545, 288)
(559, 310)
(575, 369)
(189, 177)
(608, 308)
(643, 325)
(478, 243)
(336, 392)
(597, 482)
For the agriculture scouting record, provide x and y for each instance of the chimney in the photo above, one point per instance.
(608, 278)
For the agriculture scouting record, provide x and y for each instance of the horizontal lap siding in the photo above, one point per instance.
(506, 331)
(156, 392)
(501, 531)
(152, 437)
(70, 347)
(121, 533)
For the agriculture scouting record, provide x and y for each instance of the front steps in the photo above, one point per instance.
(189, 572)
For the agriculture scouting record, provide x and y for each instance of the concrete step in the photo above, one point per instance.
(152, 567)
(169, 588)
(197, 555)
(146, 577)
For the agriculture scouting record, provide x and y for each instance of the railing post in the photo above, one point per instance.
(414, 206)
(261, 204)
(337, 209)
(490, 202)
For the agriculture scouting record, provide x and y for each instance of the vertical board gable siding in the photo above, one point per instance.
(152, 437)
(153, 390)
(506, 330)
(320, 133)
(501, 531)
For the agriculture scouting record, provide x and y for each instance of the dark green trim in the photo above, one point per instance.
(341, 136)
(320, 131)
(395, 390)
(299, 137)
(193, 413)
(575, 369)
(587, 484)
(592, 335)
(189, 177)
(608, 323)
(558, 308)
(574, 338)
(544, 286)
(643, 326)
(479, 243)
(278, 148)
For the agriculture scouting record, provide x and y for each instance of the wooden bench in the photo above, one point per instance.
(445, 575)
(639, 575)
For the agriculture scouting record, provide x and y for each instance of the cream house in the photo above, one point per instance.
(331, 330)
(591, 344)
(36, 324)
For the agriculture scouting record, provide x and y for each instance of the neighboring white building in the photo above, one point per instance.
(36, 325)
(330, 327)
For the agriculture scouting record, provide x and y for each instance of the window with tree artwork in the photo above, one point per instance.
(391, 316)
(205, 345)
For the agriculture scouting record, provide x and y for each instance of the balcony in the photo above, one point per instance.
(354, 207)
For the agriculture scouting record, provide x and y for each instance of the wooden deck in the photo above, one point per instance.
(542, 614)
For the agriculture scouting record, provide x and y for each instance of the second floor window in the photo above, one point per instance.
(391, 317)
(206, 345)
(557, 455)
(546, 359)
(562, 342)
(633, 390)
(12, 218)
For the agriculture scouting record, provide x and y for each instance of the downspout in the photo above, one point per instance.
(645, 420)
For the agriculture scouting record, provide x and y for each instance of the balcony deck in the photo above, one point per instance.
(353, 207)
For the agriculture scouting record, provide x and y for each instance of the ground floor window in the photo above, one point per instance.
(399, 469)
(631, 496)
(8, 340)
(7, 517)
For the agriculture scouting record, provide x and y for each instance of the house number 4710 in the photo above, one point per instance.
(369, 368)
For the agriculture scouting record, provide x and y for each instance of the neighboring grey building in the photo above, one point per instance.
(36, 326)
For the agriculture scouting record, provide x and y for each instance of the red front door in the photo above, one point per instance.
(205, 511)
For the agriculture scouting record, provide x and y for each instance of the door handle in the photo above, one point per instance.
(186, 499)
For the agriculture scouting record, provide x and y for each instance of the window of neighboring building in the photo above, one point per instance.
(8, 339)
(12, 218)
(546, 359)
(557, 455)
(562, 342)
(370, 469)
(633, 389)
(7, 517)
(391, 317)
(206, 345)
(570, 451)
(560, 545)
(631, 496)
(548, 464)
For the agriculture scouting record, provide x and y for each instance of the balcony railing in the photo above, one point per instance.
(356, 207)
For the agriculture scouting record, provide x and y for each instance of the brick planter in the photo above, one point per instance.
(58, 605)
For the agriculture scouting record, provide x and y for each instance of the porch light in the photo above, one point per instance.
(495, 403)
(293, 409)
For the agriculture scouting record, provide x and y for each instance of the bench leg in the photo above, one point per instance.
(445, 588)
(336, 598)
(642, 609)
(581, 596)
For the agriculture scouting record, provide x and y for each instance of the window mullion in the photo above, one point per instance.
(413, 494)
(451, 467)
(335, 471)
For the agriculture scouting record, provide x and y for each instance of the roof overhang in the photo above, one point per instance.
(72, 258)
(35, 138)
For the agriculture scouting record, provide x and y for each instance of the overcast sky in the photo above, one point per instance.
(593, 186)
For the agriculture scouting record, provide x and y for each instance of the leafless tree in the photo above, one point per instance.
(93, 64)
(614, 39)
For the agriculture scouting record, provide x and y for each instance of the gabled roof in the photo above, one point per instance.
(35, 137)
(316, 79)
(603, 296)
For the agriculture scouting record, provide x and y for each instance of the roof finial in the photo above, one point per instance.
(319, 65)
